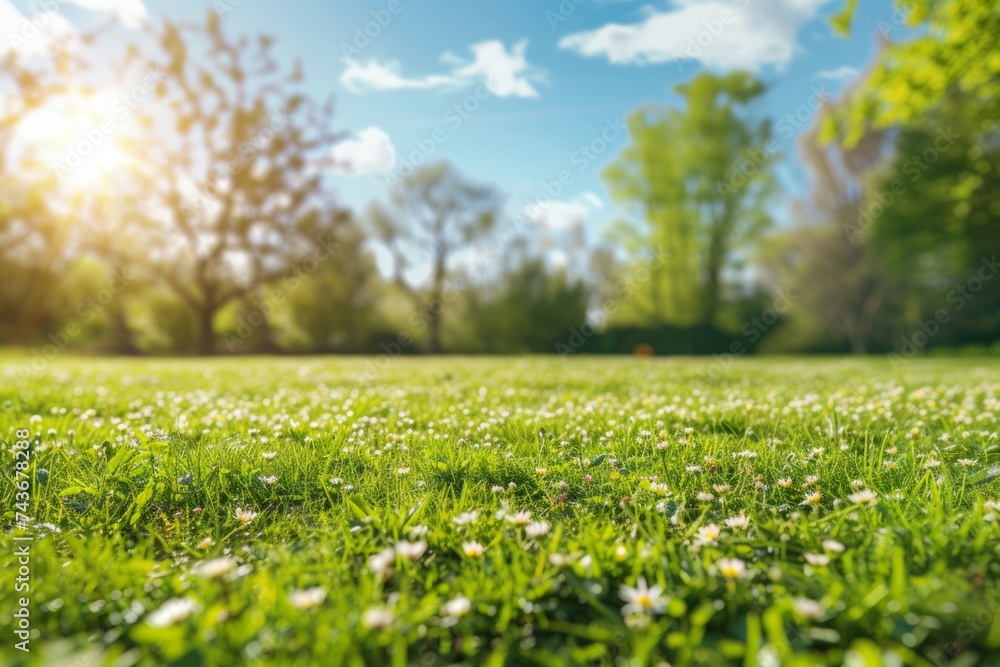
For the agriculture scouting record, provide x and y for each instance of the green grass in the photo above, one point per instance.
(147, 461)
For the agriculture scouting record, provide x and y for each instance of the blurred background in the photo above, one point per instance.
(722, 177)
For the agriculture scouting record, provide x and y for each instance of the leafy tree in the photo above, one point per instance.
(826, 258)
(233, 156)
(942, 228)
(530, 310)
(698, 179)
(956, 53)
(436, 213)
(36, 227)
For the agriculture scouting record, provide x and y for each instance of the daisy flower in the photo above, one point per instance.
(641, 599)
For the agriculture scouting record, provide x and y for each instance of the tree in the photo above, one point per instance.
(942, 228)
(698, 179)
(956, 53)
(826, 258)
(530, 309)
(233, 159)
(35, 221)
(437, 213)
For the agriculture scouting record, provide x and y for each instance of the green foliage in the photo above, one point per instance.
(347, 550)
(956, 54)
(694, 185)
(531, 311)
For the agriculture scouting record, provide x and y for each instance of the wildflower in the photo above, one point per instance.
(336, 481)
(170, 612)
(520, 518)
(720, 488)
(382, 562)
(269, 455)
(245, 517)
(817, 560)
(307, 598)
(376, 618)
(537, 529)
(833, 546)
(807, 608)
(473, 549)
(541, 472)
(693, 469)
(621, 553)
(402, 471)
(206, 543)
(271, 479)
(785, 482)
(457, 607)
(411, 550)
(642, 599)
(418, 531)
(967, 463)
(812, 498)
(705, 497)
(865, 497)
(215, 568)
(741, 522)
(709, 533)
(731, 568)
(659, 488)
(466, 518)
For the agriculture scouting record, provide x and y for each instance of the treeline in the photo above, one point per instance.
(206, 222)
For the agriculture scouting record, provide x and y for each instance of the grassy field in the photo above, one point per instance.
(502, 511)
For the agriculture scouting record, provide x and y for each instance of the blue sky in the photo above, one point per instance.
(538, 80)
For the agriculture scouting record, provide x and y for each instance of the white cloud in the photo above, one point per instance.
(132, 13)
(505, 73)
(840, 74)
(375, 76)
(559, 216)
(371, 152)
(721, 34)
(34, 35)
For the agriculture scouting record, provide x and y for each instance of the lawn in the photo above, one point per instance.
(311, 511)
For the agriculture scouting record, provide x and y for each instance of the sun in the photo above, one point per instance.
(82, 138)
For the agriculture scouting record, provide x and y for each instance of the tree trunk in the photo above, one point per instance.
(206, 334)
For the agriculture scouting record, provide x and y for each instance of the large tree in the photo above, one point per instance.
(431, 217)
(233, 156)
(694, 183)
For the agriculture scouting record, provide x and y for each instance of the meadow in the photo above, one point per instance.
(529, 511)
